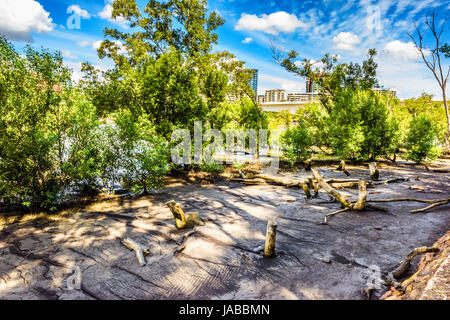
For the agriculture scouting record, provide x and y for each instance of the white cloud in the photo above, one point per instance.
(403, 50)
(107, 14)
(19, 18)
(67, 54)
(247, 40)
(83, 43)
(273, 23)
(272, 82)
(76, 9)
(346, 41)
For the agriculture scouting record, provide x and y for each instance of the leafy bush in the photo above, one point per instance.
(296, 143)
(421, 140)
(360, 126)
(212, 167)
(143, 153)
(31, 136)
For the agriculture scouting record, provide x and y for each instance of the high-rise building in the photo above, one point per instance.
(275, 95)
(311, 86)
(254, 81)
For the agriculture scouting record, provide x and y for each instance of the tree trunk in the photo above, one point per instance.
(374, 173)
(178, 214)
(447, 135)
(269, 248)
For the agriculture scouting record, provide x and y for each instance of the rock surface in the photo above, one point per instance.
(221, 259)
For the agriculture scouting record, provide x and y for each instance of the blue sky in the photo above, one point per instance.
(344, 27)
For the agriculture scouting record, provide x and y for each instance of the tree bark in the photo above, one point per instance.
(330, 190)
(374, 173)
(178, 214)
(269, 248)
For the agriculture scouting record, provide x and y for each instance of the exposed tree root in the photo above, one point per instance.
(434, 203)
(405, 264)
(182, 244)
(139, 249)
(330, 190)
(325, 220)
(359, 205)
(440, 203)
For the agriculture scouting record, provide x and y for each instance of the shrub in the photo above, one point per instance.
(296, 143)
(143, 153)
(421, 140)
(212, 167)
(360, 126)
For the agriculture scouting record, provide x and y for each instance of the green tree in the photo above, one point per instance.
(143, 153)
(296, 143)
(360, 126)
(31, 91)
(421, 140)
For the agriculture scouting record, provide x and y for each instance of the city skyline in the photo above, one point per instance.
(313, 28)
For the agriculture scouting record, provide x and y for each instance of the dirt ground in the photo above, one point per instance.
(222, 259)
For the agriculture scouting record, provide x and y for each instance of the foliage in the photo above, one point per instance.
(296, 143)
(143, 153)
(421, 140)
(360, 127)
(212, 167)
(332, 77)
(30, 97)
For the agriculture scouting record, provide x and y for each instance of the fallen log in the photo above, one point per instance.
(133, 245)
(374, 173)
(405, 264)
(330, 190)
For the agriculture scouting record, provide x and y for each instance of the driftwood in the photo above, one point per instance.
(359, 205)
(183, 220)
(330, 190)
(342, 168)
(405, 264)
(434, 203)
(269, 248)
(374, 173)
(139, 249)
(439, 203)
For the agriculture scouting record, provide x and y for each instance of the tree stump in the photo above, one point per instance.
(178, 214)
(362, 196)
(374, 173)
(269, 248)
(342, 168)
(183, 220)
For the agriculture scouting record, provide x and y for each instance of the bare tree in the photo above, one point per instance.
(435, 63)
